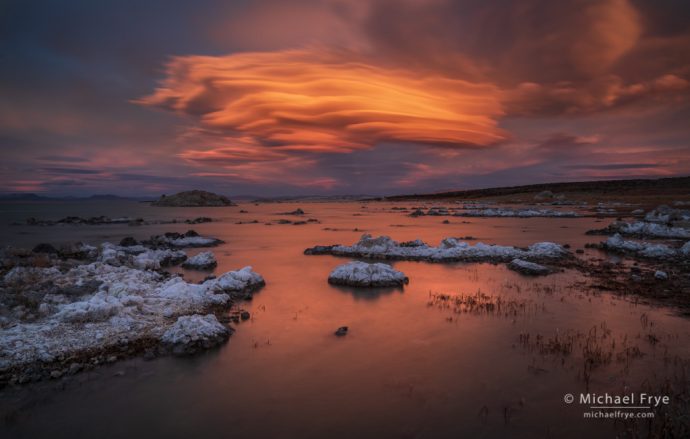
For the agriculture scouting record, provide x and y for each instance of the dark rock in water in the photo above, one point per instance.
(320, 249)
(528, 268)
(199, 220)
(297, 211)
(128, 242)
(243, 211)
(195, 198)
(579, 251)
(417, 212)
(446, 222)
(244, 315)
(341, 331)
(191, 233)
(45, 248)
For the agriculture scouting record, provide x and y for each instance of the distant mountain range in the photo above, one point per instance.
(96, 197)
(111, 197)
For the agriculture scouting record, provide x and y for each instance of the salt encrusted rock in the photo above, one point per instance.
(472, 211)
(122, 306)
(154, 259)
(520, 213)
(666, 214)
(139, 256)
(191, 334)
(450, 250)
(661, 275)
(201, 261)
(528, 268)
(194, 198)
(241, 281)
(362, 274)
(643, 229)
(642, 249)
(183, 240)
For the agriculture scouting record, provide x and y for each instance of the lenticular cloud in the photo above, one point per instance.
(312, 100)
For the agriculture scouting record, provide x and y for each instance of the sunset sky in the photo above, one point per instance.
(339, 96)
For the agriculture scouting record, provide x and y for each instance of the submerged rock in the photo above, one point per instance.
(528, 268)
(201, 261)
(128, 242)
(195, 198)
(45, 248)
(362, 274)
(194, 333)
(341, 331)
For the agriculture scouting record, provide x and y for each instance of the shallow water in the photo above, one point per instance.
(406, 368)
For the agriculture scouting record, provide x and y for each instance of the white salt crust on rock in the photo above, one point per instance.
(645, 249)
(201, 261)
(449, 250)
(363, 274)
(497, 212)
(193, 333)
(127, 305)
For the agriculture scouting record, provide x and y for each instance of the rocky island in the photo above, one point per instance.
(195, 198)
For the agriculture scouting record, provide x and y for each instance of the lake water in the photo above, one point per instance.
(407, 368)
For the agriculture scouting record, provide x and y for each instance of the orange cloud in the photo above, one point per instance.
(318, 101)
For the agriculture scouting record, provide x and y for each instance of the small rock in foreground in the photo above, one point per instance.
(341, 331)
(528, 268)
(194, 333)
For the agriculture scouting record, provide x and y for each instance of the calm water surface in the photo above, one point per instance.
(405, 370)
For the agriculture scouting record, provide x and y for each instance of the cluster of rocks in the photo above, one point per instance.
(298, 212)
(60, 315)
(668, 215)
(646, 250)
(295, 223)
(104, 220)
(643, 229)
(495, 213)
(182, 240)
(195, 198)
(449, 250)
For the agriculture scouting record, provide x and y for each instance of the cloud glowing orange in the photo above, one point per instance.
(313, 100)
